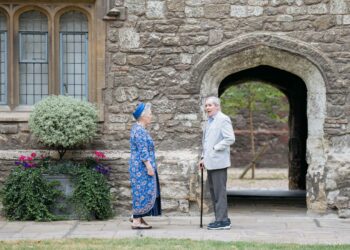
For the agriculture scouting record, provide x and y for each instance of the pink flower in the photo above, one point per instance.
(33, 155)
(100, 154)
(22, 158)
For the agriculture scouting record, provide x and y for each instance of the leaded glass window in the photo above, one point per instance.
(33, 57)
(3, 59)
(74, 55)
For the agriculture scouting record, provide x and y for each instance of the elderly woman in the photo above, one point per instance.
(143, 169)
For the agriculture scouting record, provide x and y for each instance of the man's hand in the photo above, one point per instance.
(201, 164)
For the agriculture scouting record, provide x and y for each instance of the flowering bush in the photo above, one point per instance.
(97, 165)
(29, 196)
(28, 161)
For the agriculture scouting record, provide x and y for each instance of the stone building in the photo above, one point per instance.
(174, 53)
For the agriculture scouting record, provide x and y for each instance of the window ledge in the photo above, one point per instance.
(22, 113)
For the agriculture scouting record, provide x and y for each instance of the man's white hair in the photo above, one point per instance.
(213, 99)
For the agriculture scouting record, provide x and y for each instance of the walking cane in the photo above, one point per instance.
(201, 220)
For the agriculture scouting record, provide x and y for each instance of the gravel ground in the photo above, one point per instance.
(265, 179)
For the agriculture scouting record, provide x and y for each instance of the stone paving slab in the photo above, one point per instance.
(301, 229)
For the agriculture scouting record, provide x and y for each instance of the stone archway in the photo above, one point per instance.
(284, 53)
(293, 87)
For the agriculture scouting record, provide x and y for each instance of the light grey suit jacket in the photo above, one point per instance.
(217, 138)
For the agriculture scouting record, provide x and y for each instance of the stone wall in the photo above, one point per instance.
(154, 53)
(173, 53)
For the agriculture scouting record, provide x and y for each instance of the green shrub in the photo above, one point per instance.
(63, 122)
(28, 196)
(91, 197)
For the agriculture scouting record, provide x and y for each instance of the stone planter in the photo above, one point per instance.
(63, 207)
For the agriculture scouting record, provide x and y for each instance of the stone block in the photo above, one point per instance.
(8, 128)
(119, 58)
(113, 118)
(346, 19)
(245, 11)
(129, 38)
(194, 11)
(339, 7)
(292, 10)
(258, 2)
(155, 9)
(188, 117)
(309, 2)
(122, 94)
(317, 9)
(281, 2)
(175, 5)
(135, 6)
(169, 205)
(342, 202)
(284, 18)
(148, 95)
(344, 213)
(163, 28)
(115, 127)
(171, 41)
(139, 60)
(194, 2)
(186, 58)
(215, 37)
(194, 40)
(238, 11)
(216, 10)
(184, 206)
(173, 190)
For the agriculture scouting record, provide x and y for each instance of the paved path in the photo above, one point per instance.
(267, 223)
(286, 229)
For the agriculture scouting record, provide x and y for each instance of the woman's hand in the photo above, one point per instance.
(149, 167)
(150, 171)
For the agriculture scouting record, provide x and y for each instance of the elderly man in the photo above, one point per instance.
(218, 135)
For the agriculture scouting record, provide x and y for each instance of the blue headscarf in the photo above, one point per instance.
(138, 110)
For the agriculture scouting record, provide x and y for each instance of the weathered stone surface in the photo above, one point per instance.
(215, 36)
(119, 58)
(339, 6)
(173, 53)
(129, 38)
(8, 128)
(176, 5)
(135, 6)
(194, 11)
(216, 10)
(138, 60)
(155, 9)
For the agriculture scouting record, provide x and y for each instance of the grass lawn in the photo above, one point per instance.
(148, 243)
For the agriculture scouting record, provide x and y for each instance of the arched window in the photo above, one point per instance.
(74, 55)
(3, 59)
(33, 57)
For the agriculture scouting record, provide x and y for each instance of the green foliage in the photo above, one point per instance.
(255, 96)
(28, 196)
(63, 122)
(91, 196)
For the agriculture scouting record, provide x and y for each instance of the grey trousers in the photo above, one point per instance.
(217, 185)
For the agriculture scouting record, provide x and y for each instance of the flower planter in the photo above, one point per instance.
(63, 207)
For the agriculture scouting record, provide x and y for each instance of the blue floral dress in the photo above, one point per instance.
(144, 188)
